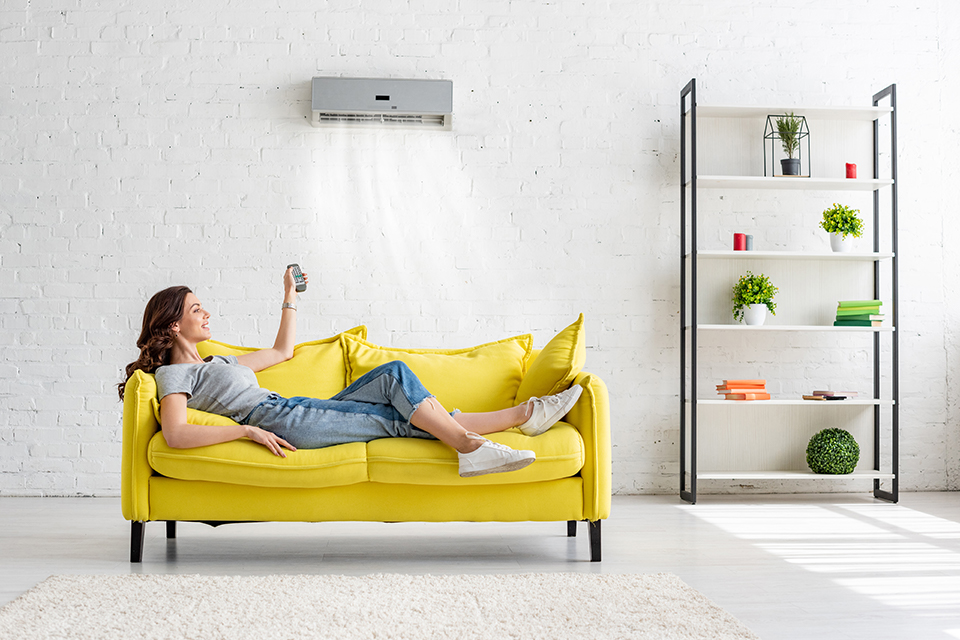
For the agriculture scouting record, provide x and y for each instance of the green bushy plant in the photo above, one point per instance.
(751, 289)
(843, 220)
(833, 451)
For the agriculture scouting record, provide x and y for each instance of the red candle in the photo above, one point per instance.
(851, 170)
(739, 242)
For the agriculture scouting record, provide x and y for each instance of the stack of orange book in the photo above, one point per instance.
(744, 390)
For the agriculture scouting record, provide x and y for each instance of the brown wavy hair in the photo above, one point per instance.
(156, 338)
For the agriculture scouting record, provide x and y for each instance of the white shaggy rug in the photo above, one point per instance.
(554, 606)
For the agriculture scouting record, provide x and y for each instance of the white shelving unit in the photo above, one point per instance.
(792, 255)
(766, 440)
(766, 328)
(788, 475)
(794, 402)
(807, 184)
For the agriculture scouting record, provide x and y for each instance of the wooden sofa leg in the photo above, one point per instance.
(594, 527)
(136, 540)
(171, 529)
(571, 528)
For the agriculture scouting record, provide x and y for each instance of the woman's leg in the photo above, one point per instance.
(477, 456)
(395, 385)
(494, 421)
(533, 417)
(392, 384)
(431, 417)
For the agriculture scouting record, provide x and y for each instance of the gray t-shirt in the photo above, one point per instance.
(219, 385)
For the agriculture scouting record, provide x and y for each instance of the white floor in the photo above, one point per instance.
(796, 567)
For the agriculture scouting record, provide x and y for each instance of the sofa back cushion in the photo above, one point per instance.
(481, 378)
(317, 369)
(556, 365)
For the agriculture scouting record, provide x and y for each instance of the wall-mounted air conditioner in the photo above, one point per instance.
(372, 101)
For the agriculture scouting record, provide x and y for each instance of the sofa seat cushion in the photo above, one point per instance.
(560, 454)
(248, 463)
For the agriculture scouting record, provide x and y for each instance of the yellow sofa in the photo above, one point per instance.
(388, 480)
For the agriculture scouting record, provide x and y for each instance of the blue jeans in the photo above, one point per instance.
(378, 405)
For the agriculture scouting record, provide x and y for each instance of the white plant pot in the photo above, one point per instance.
(840, 244)
(755, 314)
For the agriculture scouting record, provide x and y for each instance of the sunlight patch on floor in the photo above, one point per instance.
(892, 554)
(909, 520)
(789, 522)
(928, 594)
(873, 557)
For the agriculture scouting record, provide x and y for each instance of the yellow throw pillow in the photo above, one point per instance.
(557, 365)
(481, 378)
(317, 369)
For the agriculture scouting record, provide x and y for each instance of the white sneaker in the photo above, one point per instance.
(492, 457)
(548, 410)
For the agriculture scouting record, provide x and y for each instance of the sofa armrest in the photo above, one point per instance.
(591, 417)
(139, 425)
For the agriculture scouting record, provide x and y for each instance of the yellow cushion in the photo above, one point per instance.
(560, 454)
(248, 463)
(316, 370)
(481, 378)
(556, 365)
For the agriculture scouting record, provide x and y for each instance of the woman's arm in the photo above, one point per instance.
(282, 349)
(180, 434)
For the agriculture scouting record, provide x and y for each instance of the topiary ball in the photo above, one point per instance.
(833, 451)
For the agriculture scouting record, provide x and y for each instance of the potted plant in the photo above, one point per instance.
(752, 297)
(788, 128)
(841, 221)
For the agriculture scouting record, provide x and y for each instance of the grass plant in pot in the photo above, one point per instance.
(841, 221)
(752, 298)
(788, 128)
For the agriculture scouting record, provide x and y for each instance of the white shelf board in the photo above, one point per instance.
(796, 182)
(819, 113)
(790, 475)
(786, 327)
(792, 255)
(797, 402)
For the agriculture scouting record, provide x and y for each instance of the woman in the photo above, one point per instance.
(387, 402)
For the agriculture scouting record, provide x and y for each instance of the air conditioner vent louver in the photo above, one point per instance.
(433, 122)
(426, 104)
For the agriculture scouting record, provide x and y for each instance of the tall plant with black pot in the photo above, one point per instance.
(788, 128)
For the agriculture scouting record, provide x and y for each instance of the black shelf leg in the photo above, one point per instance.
(137, 530)
(571, 528)
(594, 527)
(171, 529)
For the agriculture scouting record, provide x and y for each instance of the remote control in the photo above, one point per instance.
(298, 277)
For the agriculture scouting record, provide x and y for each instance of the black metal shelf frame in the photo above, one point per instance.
(688, 297)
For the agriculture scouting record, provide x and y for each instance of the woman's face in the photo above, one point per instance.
(193, 324)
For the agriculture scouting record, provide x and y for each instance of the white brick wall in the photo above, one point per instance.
(144, 146)
(947, 226)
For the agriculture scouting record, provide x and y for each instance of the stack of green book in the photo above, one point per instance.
(859, 313)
